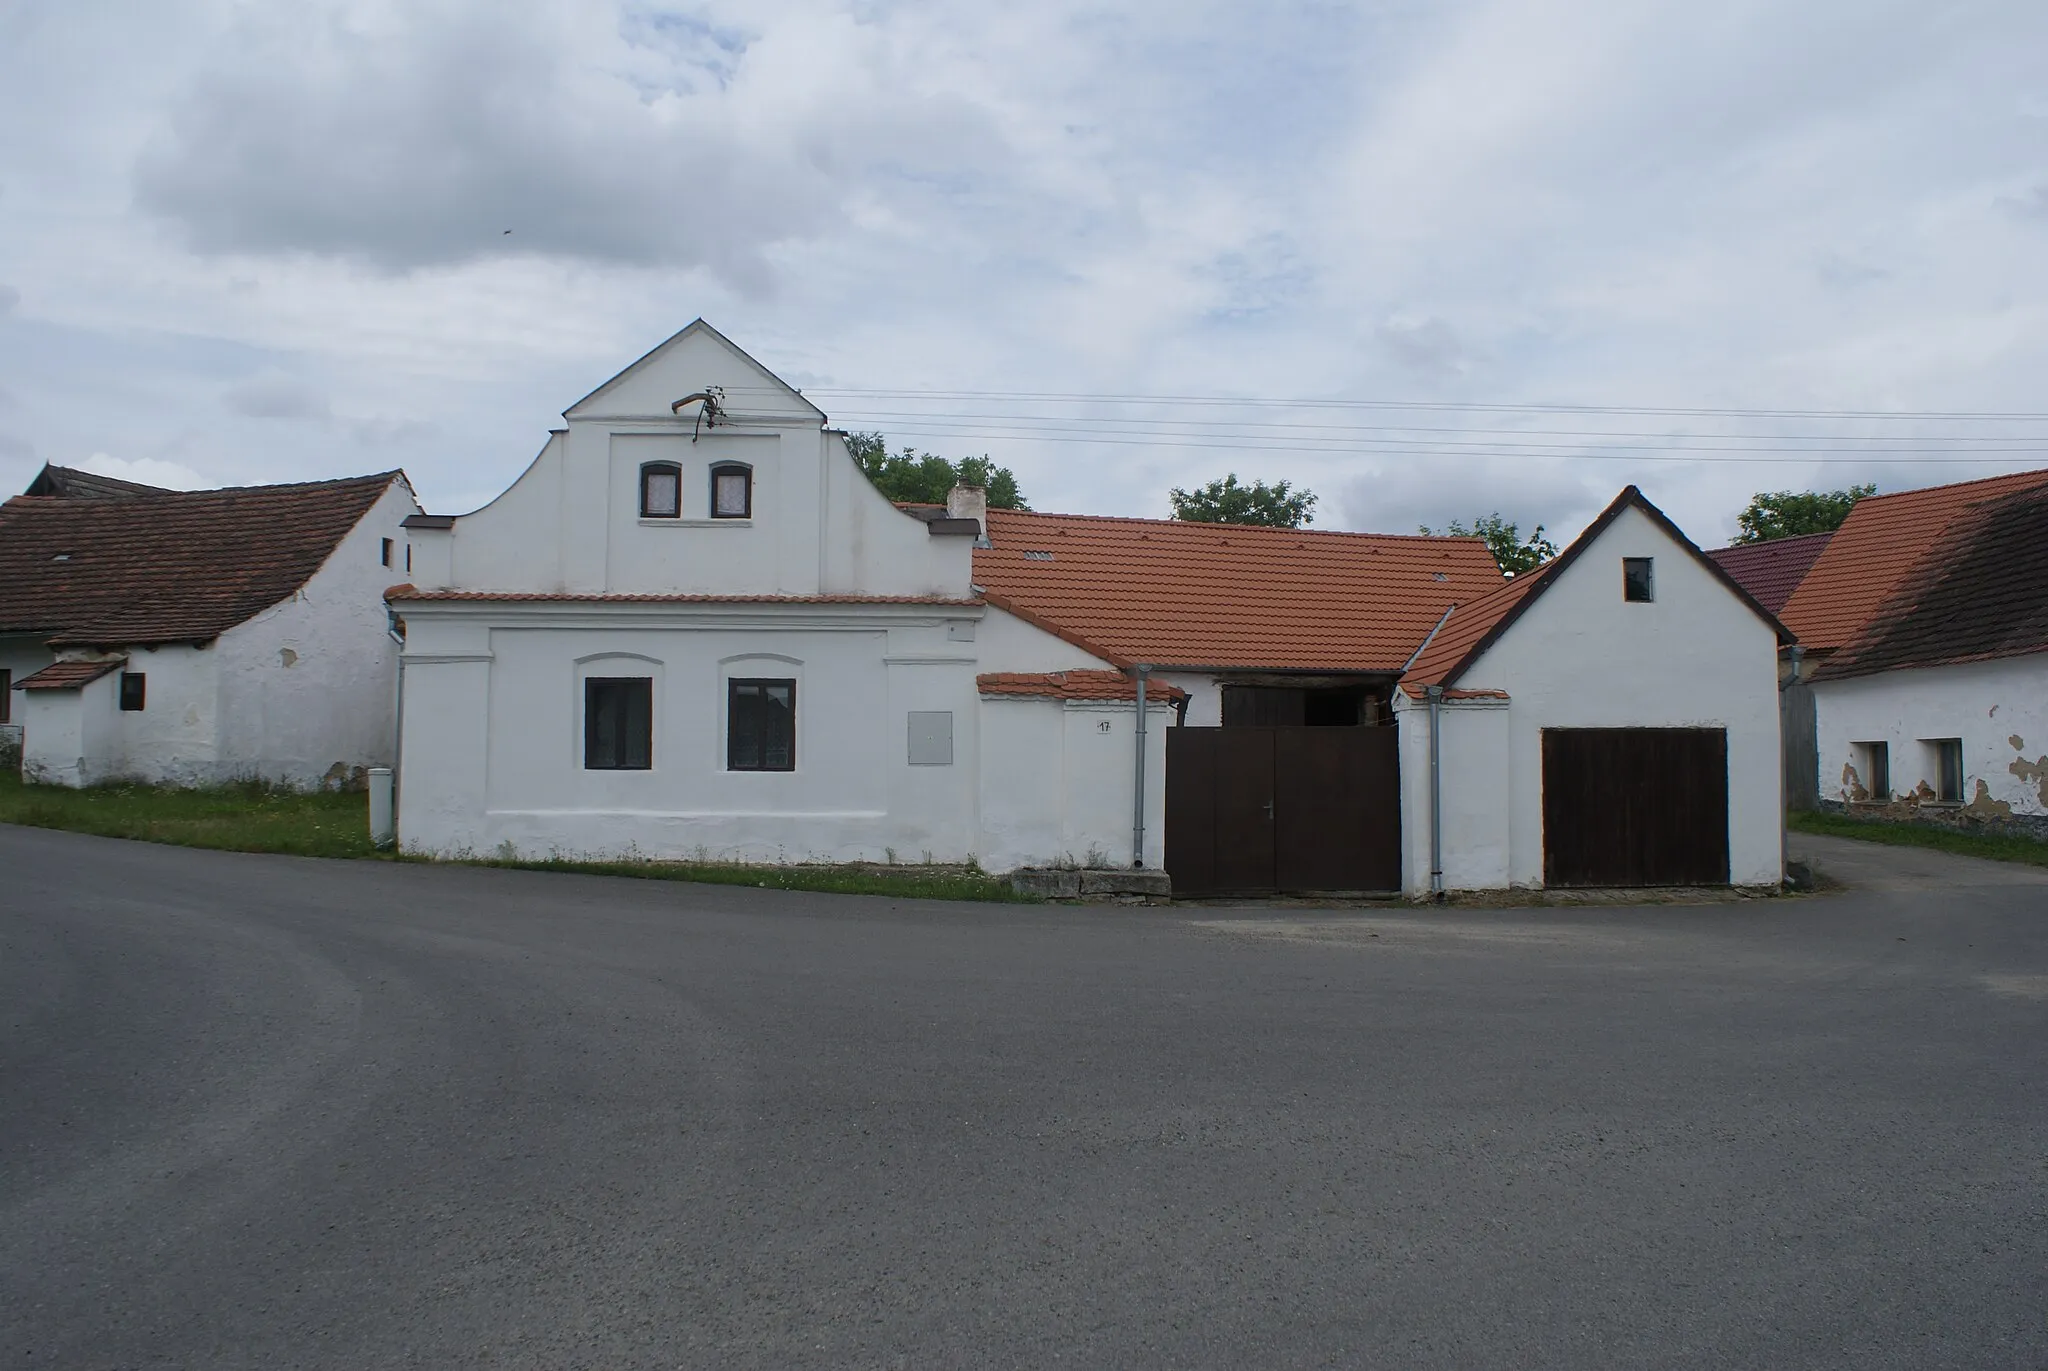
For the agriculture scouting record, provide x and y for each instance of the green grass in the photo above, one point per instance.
(2002, 847)
(233, 818)
(260, 818)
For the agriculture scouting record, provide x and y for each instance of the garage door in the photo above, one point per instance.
(1253, 811)
(1635, 806)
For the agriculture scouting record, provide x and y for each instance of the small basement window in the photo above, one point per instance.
(1948, 769)
(732, 491)
(760, 725)
(618, 723)
(1875, 761)
(661, 491)
(134, 689)
(1639, 579)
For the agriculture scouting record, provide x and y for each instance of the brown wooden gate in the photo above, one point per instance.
(1261, 811)
(1635, 806)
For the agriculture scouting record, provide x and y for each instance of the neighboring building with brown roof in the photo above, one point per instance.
(189, 637)
(1929, 650)
(1772, 570)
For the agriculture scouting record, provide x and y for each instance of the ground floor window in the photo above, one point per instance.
(1876, 765)
(133, 687)
(6, 694)
(618, 723)
(1948, 769)
(760, 725)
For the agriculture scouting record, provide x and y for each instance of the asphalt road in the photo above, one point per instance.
(263, 1112)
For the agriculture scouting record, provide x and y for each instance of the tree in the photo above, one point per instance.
(1226, 502)
(1504, 540)
(1786, 514)
(923, 478)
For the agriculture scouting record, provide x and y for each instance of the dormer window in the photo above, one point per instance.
(732, 491)
(661, 491)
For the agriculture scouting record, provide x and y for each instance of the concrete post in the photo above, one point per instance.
(383, 828)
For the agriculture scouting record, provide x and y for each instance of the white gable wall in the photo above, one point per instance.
(1998, 709)
(1581, 656)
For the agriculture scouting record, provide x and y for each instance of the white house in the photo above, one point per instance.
(192, 637)
(1925, 630)
(1609, 719)
(692, 627)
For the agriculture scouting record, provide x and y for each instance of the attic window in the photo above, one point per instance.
(384, 554)
(661, 491)
(1037, 554)
(1638, 579)
(732, 491)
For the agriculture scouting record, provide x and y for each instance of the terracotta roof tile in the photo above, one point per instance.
(1981, 593)
(69, 675)
(1072, 685)
(1884, 538)
(1170, 593)
(172, 565)
(1465, 628)
(72, 484)
(1771, 571)
(407, 594)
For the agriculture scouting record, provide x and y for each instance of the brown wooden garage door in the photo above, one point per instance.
(1635, 806)
(1259, 811)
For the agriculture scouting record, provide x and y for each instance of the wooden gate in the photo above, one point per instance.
(1260, 811)
(1635, 806)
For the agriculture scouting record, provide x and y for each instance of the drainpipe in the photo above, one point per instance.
(1138, 788)
(1436, 794)
(397, 722)
(1796, 658)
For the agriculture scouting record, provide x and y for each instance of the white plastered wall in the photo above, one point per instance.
(1057, 780)
(1998, 709)
(1581, 656)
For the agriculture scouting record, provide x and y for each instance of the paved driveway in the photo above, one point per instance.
(259, 1112)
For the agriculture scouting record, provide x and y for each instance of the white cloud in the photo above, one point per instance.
(150, 471)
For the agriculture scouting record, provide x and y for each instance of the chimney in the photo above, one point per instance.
(968, 502)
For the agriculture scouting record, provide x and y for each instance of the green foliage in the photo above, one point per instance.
(1504, 540)
(1227, 502)
(923, 478)
(1999, 847)
(1786, 513)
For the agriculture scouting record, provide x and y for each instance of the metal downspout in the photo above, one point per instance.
(1138, 789)
(1436, 794)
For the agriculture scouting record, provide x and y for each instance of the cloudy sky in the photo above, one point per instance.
(1427, 257)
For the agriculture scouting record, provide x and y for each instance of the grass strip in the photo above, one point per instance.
(254, 817)
(1999, 847)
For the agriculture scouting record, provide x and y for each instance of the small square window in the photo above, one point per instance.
(661, 491)
(618, 723)
(1639, 579)
(732, 492)
(1948, 770)
(134, 687)
(384, 553)
(760, 726)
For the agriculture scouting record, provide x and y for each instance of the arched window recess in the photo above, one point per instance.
(732, 491)
(661, 490)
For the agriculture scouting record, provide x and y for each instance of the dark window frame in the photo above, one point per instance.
(134, 693)
(611, 698)
(741, 707)
(1877, 760)
(1948, 751)
(6, 695)
(732, 469)
(1639, 573)
(651, 469)
(384, 551)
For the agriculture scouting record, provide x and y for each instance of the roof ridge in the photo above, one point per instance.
(2041, 472)
(1197, 524)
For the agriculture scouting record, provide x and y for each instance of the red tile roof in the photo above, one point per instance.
(408, 594)
(1072, 685)
(1884, 538)
(1474, 627)
(73, 484)
(1169, 593)
(1772, 571)
(1980, 593)
(69, 675)
(169, 566)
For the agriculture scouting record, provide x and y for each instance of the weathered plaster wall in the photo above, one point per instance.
(1583, 657)
(1004, 642)
(1999, 709)
(306, 687)
(1477, 815)
(64, 731)
(1056, 783)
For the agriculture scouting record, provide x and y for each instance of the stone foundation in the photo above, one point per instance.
(1106, 884)
(1964, 818)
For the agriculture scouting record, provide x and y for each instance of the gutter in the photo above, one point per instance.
(1436, 793)
(1138, 786)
